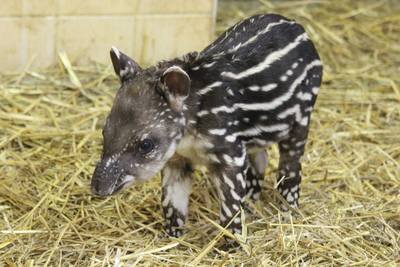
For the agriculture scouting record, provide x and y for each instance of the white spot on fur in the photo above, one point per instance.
(202, 113)
(315, 90)
(222, 217)
(227, 211)
(256, 36)
(304, 121)
(230, 138)
(235, 195)
(301, 143)
(289, 197)
(214, 158)
(221, 109)
(240, 178)
(228, 159)
(217, 131)
(209, 65)
(256, 195)
(294, 188)
(258, 129)
(228, 181)
(208, 88)
(290, 111)
(180, 222)
(251, 190)
(284, 193)
(169, 212)
(304, 96)
(264, 88)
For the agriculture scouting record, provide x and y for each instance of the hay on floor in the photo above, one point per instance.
(50, 139)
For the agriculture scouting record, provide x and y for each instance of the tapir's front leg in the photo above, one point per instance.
(231, 185)
(177, 184)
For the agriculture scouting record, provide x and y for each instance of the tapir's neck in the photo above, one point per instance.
(204, 76)
(191, 108)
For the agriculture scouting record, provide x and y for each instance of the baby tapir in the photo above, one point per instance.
(254, 86)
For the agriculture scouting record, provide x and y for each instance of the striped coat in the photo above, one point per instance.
(254, 86)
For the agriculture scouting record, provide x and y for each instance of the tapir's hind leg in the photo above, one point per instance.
(291, 149)
(289, 171)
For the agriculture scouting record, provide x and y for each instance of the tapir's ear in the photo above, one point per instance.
(177, 86)
(125, 67)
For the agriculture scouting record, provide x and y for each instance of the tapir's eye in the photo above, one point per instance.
(146, 146)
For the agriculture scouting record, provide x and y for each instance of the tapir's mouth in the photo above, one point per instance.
(102, 190)
(122, 182)
(119, 188)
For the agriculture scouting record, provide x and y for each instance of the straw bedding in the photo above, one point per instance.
(50, 139)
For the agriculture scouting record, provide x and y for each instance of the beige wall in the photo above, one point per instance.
(33, 31)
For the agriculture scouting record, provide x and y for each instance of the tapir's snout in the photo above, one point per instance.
(108, 179)
(102, 182)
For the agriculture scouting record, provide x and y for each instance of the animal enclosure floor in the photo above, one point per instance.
(349, 214)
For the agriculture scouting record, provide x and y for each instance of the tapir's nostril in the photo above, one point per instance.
(95, 187)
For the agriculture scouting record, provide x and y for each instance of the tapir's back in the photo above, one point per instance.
(262, 73)
(258, 36)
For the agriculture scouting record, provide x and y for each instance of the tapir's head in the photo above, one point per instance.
(144, 126)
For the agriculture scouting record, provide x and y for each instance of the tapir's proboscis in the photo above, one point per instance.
(254, 86)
